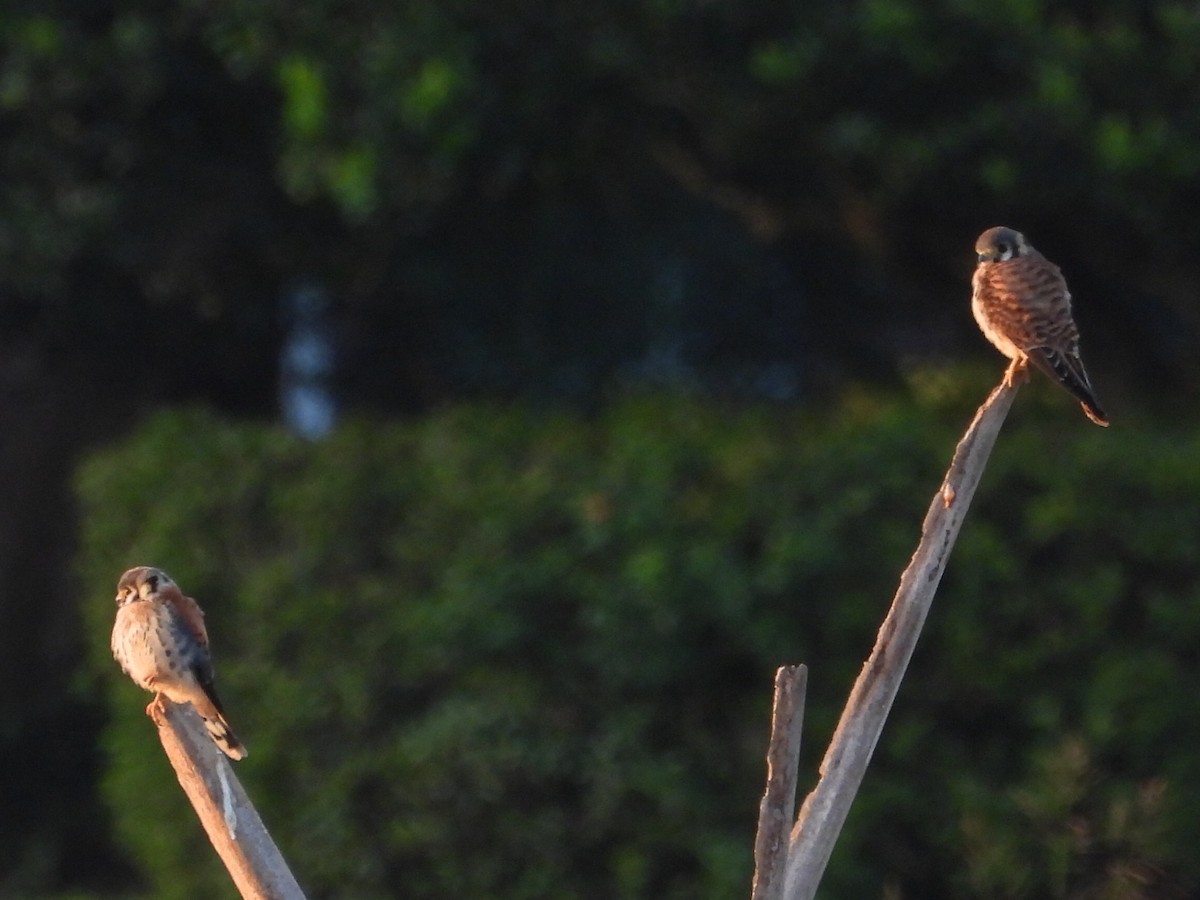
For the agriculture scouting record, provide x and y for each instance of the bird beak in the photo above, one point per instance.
(985, 257)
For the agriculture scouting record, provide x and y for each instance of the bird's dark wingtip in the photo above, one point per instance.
(1096, 414)
(1068, 372)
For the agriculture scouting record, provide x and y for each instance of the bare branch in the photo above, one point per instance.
(237, 833)
(779, 802)
(825, 809)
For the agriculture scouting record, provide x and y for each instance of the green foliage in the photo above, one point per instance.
(1082, 107)
(515, 654)
(470, 180)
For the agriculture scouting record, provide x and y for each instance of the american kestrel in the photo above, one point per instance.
(160, 642)
(1021, 302)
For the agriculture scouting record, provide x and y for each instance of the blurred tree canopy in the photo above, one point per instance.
(513, 196)
(514, 654)
(522, 201)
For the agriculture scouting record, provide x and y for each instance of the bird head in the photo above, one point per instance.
(141, 583)
(1000, 244)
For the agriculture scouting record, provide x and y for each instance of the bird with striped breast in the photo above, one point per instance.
(160, 641)
(1021, 302)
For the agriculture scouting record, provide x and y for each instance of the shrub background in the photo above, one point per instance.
(517, 653)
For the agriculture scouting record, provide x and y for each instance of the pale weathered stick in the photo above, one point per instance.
(237, 833)
(824, 810)
(779, 802)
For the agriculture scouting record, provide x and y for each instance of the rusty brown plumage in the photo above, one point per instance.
(1022, 304)
(160, 641)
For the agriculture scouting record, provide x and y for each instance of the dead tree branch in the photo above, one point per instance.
(779, 802)
(237, 833)
(845, 763)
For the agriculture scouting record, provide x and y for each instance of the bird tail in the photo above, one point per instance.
(224, 737)
(219, 730)
(1067, 370)
(1094, 412)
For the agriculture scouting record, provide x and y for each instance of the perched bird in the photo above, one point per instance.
(1022, 304)
(160, 642)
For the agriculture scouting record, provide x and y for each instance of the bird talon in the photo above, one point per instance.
(156, 708)
(1017, 373)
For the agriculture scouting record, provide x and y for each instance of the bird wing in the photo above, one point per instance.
(187, 623)
(1067, 369)
(1064, 367)
(190, 616)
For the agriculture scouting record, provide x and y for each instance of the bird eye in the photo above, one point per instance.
(152, 582)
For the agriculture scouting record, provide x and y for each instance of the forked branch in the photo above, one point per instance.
(826, 807)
